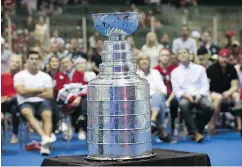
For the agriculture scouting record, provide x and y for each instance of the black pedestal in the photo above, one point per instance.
(163, 158)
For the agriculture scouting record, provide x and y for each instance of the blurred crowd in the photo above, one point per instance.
(45, 79)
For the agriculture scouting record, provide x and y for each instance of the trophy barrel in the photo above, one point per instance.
(118, 108)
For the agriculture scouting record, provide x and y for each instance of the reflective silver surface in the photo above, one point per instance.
(118, 106)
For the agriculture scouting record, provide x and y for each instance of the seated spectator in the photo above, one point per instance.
(56, 39)
(158, 92)
(81, 66)
(5, 55)
(34, 92)
(30, 25)
(71, 89)
(8, 94)
(223, 84)
(165, 41)
(54, 52)
(235, 50)
(184, 42)
(238, 68)
(230, 37)
(207, 45)
(203, 57)
(75, 51)
(90, 61)
(41, 30)
(93, 39)
(97, 58)
(192, 91)
(135, 50)
(54, 66)
(152, 48)
(165, 68)
(197, 37)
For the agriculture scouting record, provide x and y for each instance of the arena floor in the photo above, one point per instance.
(223, 150)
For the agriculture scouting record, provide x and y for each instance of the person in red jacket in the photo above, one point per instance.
(8, 94)
(72, 90)
(165, 68)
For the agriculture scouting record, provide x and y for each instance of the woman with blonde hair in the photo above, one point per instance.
(152, 48)
(158, 92)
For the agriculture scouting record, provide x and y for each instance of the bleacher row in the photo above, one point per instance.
(170, 17)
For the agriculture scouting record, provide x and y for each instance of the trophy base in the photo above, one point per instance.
(152, 155)
(162, 158)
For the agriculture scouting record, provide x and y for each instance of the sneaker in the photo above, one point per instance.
(197, 137)
(46, 141)
(53, 137)
(33, 146)
(44, 151)
(82, 135)
(14, 140)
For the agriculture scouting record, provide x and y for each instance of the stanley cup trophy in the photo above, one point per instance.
(118, 99)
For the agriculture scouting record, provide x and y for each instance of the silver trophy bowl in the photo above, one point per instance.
(118, 100)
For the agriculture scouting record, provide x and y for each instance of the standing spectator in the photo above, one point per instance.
(192, 91)
(71, 89)
(30, 26)
(81, 66)
(75, 51)
(165, 68)
(41, 30)
(152, 48)
(8, 94)
(230, 37)
(158, 92)
(34, 91)
(165, 41)
(223, 84)
(184, 42)
(5, 55)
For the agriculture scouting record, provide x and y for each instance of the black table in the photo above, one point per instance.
(163, 158)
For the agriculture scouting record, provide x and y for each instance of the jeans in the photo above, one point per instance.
(158, 103)
(202, 117)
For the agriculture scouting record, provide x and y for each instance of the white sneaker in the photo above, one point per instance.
(45, 151)
(82, 135)
(46, 141)
(53, 137)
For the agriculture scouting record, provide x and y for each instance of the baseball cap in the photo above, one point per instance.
(224, 52)
(229, 33)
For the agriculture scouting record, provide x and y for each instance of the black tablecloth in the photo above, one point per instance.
(163, 158)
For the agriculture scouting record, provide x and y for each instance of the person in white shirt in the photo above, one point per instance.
(158, 92)
(152, 48)
(34, 91)
(191, 88)
(184, 42)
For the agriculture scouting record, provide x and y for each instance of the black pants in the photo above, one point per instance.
(11, 106)
(80, 111)
(55, 115)
(202, 117)
(174, 105)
